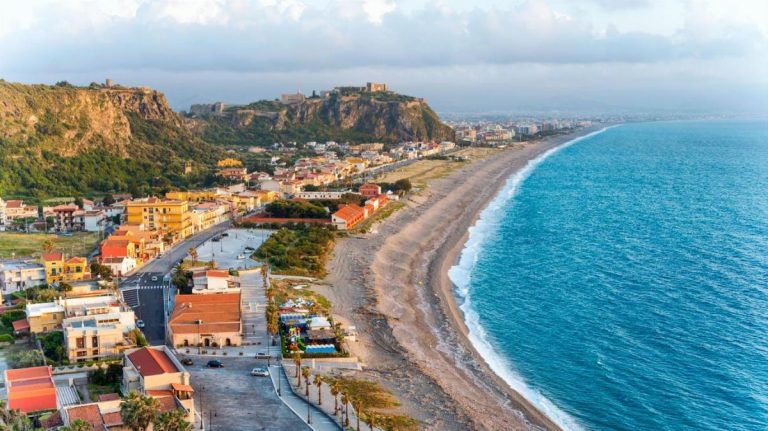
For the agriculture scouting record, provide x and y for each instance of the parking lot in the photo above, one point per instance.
(233, 250)
(230, 399)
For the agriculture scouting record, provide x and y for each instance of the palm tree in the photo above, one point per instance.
(319, 384)
(48, 245)
(78, 425)
(175, 420)
(297, 362)
(192, 253)
(356, 406)
(138, 411)
(305, 374)
(345, 408)
(335, 393)
(211, 265)
(13, 420)
(370, 419)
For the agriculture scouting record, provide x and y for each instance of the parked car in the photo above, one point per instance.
(260, 372)
(215, 363)
(139, 323)
(262, 355)
(187, 361)
(154, 278)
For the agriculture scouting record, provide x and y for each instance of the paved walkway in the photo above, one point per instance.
(317, 419)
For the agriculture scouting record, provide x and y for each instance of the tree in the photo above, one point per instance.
(356, 406)
(65, 287)
(13, 420)
(370, 419)
(48, 245)
(101, 271)
(175, 420)
(78, 425)
(79, 202)
(402, 185)
(305, 374)
(138, 411)
(319, 384)
(297, 362)
(192, 253)
(137, 338)
(108, 199)
(26, 359)
(345, 409)
(211, 265)
(335, 392)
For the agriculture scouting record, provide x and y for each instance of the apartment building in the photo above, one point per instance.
(165, 215)
(16, 275)
(68, 218)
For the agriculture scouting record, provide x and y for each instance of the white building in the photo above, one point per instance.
(15, 276)
(319, 195)
(94, 221)
(120, 266)
(213, 281)
(3, 218)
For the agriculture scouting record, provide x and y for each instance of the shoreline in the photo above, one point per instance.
(413, 336)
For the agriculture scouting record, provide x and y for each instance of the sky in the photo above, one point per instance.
(591, 56)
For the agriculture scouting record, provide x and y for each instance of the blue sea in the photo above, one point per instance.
(620, 282)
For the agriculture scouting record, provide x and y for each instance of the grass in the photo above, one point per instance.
(421, 171)
(31, 244)
(373, 398)
(378, 216)
(95, 390)
(283, 290)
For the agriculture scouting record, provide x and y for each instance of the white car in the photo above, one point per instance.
(260, 372)
(139, 323)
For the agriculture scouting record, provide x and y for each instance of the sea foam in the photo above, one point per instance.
(460, 274)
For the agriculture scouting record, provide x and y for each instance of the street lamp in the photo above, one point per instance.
(199, 340)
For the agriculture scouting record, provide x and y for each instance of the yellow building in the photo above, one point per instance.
(76, 269)
(166, 215)
(44, 317)
(267, 196)
(54, 267)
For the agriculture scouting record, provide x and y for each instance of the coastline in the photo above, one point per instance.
(413, 336)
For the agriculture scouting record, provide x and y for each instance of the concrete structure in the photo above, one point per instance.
(15, 276)
(165, 215)
(292, 99)
(206, 320)
(156, 372)
(93, 221)
(120, 265)
(68, 218)
(3, 218)
(205, 109)
(319, 195)
(375, 86)
(44, 317)
(58, 270)
(370, 190)
(31, 389)
(348, 216)
(212, 281)
(88, 338)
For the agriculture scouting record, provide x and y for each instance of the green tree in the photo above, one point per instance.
(108, 199)
(101, 271)
(79, 202)
(305, 374)
(319, 383)
(138, 411)
(192, 253)
(77, 425)
(335, 392)
(175, 420)
(48, 245)
(137, 337)
(26, 359)
(13, 420)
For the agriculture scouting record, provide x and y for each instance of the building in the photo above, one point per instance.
(207, 109)
(369, 190)
(208, 214)
(93, 221)
(348, 216)
(213, 281)
(16, 209)
(91, 338)
(68, 218)
(58, 270)
(164, 215)
(3, 218)
(206, 320)
(120, 266)
(31, 389)
(50, 316)
(234, 173)
(44, 317)
(15, 276)
(292, 98)
(373, 87)
(319, 195)
(54, 267)
(156, 372)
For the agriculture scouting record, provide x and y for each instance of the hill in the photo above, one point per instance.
(65, 140)
(353, 115)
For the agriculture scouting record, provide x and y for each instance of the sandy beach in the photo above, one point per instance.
(392, 284)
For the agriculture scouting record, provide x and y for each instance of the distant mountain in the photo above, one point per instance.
(65, 140)
(347, 114)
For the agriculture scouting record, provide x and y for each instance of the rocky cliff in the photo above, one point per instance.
(72, 140)
(357, 117)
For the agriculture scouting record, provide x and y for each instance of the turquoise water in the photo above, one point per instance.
(622, 282)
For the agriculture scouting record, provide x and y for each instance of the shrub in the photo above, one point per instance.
(6, 338)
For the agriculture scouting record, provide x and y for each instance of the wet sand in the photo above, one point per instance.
(392, 284)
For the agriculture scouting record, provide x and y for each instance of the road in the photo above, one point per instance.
(230, 399)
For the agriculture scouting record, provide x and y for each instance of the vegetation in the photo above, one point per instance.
(25, 359)
(137, 338)
(31, 244)
(175, 420)
(297, 252)
(101, 271)
(138, 411)
(13, 420)
(77, 425)
(296, 209)
(105, 380)
(371, 399)
(53, 346)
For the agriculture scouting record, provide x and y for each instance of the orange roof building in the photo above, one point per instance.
(348, 216)
(31, 389)
(206, 320)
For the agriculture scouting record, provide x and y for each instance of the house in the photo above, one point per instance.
(165, 215)
(54, 267)
(120, 266)
(156, 372)
(348, 216)
(369, 190)
(68, 218)
(212, 281)
(115, 247)
(44, 317)
(58, 270)
(93, 221)
(31, 389)
(15, 276)
(234, 173)
(206, 320)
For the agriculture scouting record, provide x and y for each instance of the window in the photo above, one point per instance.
(80, 342)
(80, 354)
(94, 341)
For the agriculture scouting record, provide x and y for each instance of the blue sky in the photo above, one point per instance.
(545, 55)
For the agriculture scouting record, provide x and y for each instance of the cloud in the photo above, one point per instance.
(272, 36)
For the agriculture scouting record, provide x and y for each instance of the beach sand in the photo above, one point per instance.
(392, 284)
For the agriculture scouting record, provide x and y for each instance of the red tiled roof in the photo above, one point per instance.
(30, 389)
(14, 204)
(349, 212)
(112, 419)
(52, 421)
(65, 208)
(157, 393)
(219, 313)
(47, 257)
(181, 388)
(21, 325)
(166, 404)
(109, 397)
(87, 413)
(151, 362)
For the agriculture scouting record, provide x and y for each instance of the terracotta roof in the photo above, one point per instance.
(76, 259)
(109, 397)
(30, 389)
(219, 313)
(14, 204)
(52, 421)
(151, 362)
(21, 325)
(65, 208)
(157, 393)
(88, 413)
(349, 212)
(47, 257)
(167, 404)
(112, 419)
(181, 388)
